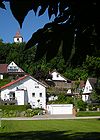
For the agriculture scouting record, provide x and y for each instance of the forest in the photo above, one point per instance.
(25, 58)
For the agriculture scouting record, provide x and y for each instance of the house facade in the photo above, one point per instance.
(89, 86)
(10, 69)
(25, 90)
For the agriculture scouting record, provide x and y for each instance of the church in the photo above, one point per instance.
(18, 38)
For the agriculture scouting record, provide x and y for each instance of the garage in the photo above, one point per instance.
(60, 109)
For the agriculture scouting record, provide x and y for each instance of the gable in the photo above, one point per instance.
(21, 80)
(57, 77)
(12, 67)
(88, 88)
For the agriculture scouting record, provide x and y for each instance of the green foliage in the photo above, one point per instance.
(76, 73)
(15, 107)
(86, 113)
(62, 99)
(93, 107)
(19, 111)
(4, 81)
(26, 60)
(92, 65)
(95, 97)
(80, 104)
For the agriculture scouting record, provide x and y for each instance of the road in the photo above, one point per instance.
(50, 117)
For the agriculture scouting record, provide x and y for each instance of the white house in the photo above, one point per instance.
(89, 86)
(59, 80)
(25, 90)
(10, 69)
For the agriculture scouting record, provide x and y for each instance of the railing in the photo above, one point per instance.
(9, 101)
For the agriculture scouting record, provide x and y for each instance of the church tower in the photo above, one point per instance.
(18, 38)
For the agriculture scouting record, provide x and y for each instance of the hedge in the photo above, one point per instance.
(15, 107)
(88, 113)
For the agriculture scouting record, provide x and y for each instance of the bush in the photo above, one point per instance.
(22, 112)
(15, 107)
(81, 105)
(93, 107)
(29, 113)
(87, 113)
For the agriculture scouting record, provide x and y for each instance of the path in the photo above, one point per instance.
(50, 117)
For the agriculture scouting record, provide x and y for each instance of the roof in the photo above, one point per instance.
(92, 81)
(3, 68)
(20, 79)
(65, 79)
(17, 35)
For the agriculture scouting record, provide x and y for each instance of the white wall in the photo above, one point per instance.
(87, 91)
(88, 88)
(85, 97)
(18, 41)
(60, 109)
(1, 76)
(20, 96)
(34, 87)
(31, 86)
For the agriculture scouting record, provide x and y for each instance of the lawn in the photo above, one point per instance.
(50, 130)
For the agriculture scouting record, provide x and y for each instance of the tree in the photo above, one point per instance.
(92, 65)
(73, 28)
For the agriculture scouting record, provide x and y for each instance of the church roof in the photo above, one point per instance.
(17, 35)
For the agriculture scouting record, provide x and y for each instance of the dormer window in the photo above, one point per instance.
(57, 75)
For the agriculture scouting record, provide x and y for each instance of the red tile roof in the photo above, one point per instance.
(3, 68)
(13, 82)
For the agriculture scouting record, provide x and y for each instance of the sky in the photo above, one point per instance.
(9, 25)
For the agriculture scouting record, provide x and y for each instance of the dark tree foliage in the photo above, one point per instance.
(75, 27)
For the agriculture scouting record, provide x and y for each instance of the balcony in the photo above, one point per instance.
(11, 101)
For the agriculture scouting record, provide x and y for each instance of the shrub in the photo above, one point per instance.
(15, 107)
(81, 105)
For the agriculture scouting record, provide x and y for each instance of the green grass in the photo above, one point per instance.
(51, 130)
(86, 113)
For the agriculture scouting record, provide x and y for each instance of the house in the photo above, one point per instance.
(89, 86)
(59, 80)
(11, 69)
(24, 90)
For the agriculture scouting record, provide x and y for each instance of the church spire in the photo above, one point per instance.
(18, 38)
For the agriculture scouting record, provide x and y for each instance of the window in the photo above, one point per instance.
(40, 94)
(10, 67)
(33, 94)
(12, 95)
(17, 39)
(36, 86)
